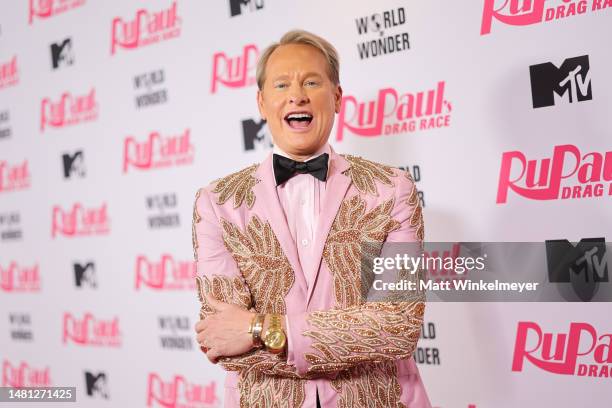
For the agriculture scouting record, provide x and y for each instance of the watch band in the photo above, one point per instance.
(256, 328)
(275, 338)
(275, 322)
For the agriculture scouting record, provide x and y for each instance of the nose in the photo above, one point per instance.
(297, 96)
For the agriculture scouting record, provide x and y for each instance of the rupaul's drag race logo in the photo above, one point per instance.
(528, 12)
(9, 74)
(165, 273)
(14, 176)
(393, 112)
(180, 392)
(158, 151)
(80, 221)
(147, 27)
(49, 8)
(19, 278)
(24, 375)
(68, 110)
(583, 351)
(569, 173)
(234, 72)
(91, 331)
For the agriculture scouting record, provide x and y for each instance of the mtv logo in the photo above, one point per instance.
(85, 274)
(550, 84)
(255, 133)
(61, 53)
(74, 164)
(584, 265)
(96, 385)
(238, 6)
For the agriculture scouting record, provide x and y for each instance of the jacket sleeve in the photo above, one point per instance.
(364, 332)
(217, 274)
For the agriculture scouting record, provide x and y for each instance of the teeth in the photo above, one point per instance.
(299, 116)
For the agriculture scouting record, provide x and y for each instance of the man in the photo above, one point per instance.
(278, 247)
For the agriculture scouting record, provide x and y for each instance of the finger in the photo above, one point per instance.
(212, 355)
(201, 339)
(200, 325)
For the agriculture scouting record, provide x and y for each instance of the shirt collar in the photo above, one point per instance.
(324, 149)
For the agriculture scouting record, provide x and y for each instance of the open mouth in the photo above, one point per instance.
(298, 120)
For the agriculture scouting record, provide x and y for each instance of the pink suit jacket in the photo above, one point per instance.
(355, 353)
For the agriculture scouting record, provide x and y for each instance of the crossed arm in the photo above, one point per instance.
(320, 342)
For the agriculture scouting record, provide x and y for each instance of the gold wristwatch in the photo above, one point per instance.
(275, 338)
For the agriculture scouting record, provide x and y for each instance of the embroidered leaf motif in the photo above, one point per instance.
(365, 173)
(262, 263)
(352, 231)
(238, 186)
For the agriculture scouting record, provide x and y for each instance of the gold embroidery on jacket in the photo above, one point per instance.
(364, 174)
(196, 219)
(416, 220)
(353, 230)
(369, 385)
(361, 340)
(266, 380)
(261, 261)
(239, 186)
(258, 390)
(223, 288)
(371, 332)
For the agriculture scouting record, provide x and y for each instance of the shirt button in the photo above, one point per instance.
(305, 242)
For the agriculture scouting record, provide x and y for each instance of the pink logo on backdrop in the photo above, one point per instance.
(146, 28)
(158, 151)
(80, 221)
(68, 110)
(393, 112)
(166, 273)
(584, 175)
(234, 72)
(449, 252)
(91, 331)
(9, 75)
(24, 375)
(16, 278)
(49, 8)
(179, 392)
(581, 352)
(528, 12)
(14, 177)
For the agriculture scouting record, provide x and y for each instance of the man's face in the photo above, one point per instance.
(298, 100)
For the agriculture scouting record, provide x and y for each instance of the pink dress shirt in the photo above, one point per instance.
(301, 198)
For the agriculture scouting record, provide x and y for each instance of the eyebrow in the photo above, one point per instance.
(306, 75)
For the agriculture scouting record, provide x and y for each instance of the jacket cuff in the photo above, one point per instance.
(296, 325)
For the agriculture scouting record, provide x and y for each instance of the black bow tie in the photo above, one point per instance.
(285, 168)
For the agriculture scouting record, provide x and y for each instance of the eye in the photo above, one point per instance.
(280, 85)
(311, 83)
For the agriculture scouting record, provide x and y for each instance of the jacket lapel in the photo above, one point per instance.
(273, 212)
(337, 186)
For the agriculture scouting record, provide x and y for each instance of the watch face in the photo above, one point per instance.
(275, 339)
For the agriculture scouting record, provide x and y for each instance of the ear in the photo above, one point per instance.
(338, 98)
(260, 104)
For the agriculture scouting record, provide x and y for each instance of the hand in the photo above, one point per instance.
(225, 333)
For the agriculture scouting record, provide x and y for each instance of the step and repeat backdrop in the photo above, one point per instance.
(113, 114)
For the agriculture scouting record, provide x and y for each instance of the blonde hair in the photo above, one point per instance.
(305, 38)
